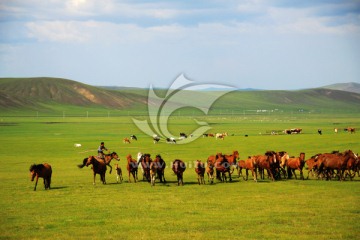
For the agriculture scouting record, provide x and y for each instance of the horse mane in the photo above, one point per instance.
(36, 167)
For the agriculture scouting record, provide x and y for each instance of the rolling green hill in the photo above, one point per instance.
(55, 94)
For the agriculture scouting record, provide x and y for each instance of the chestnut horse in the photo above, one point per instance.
(132, 167)
(232, 159)
(160, 168)
(335, 161)
(210, 170)
(153, 169)
(179, 167)
(250, 165)
(267, 162)
(41, 171)
(200, 171)
(297, 163)
(99, 167)
(312, 165)
(108, 158)
(222, 167)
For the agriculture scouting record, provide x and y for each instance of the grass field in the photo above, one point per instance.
(76, 209)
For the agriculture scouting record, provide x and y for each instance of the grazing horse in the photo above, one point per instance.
(41, 171)
(118, 170)
(210, 170)
(297, 163)
(160, 169)
(145, 161)
(200, 171)
(99, 167)
(232, 159)
(132, 167)
(267, 162)
(108, 158)
(179, 167)
(126, 140)
(133, 137)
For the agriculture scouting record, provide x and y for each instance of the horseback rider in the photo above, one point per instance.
(101, 150)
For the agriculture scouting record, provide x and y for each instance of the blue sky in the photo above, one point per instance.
(272, 44)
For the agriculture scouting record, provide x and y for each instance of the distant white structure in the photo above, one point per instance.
(77, 145)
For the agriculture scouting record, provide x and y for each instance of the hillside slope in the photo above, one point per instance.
(348, 87)
(34, 92)
(47, 93)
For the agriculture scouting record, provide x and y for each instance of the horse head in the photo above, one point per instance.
(115, 156)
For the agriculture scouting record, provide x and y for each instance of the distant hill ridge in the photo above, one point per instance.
(38, 93)
(348, 87)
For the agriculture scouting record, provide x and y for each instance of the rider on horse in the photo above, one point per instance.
(101, 150)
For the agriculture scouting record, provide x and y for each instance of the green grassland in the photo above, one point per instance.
(76, 209)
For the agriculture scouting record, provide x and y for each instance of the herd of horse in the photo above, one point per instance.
(277, 165)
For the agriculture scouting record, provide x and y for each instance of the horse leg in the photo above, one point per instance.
(110, 168)
(37, 178)
(94, 178)
(294, 173)
(129, 178)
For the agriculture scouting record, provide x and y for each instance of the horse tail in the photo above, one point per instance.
(84, 163)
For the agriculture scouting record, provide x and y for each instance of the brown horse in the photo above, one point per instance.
(160, 169)
(210, 170)
(222, 167)
(98, 167)
(200, 171)
(41, 171)
(132, 167)
(145, 161)
(267, 162)
(179, 167)
(297, 163)
(312, 165)
(352, 167)
(240, 165)
(335, 161)
(108, 158)
(118, 170)
(232, 159)
(250, 165)
(153, 169)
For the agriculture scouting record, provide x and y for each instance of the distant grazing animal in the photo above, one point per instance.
(200, 171)
(156, 139)
(319, 131)
(41, 171)
(133, 137)
(77, 145)
(351, 130)
(293, 131)
(126, 140)
(118, 170)
(99, 167)
(179, 167)
(132, 167)
(335, 130)
(221, 135)
(170, 140)
(183, 135)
